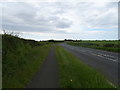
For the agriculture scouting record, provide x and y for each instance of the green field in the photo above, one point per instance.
(112, 45)
(21, 60)
(75, 74)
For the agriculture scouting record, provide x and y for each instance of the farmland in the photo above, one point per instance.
(108, 45)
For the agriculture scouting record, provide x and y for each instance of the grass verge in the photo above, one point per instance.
(75, 74)
(20, 61)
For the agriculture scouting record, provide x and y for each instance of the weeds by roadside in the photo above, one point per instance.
(21, 59)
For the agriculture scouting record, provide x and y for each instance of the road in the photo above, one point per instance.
(103, 61)
(47, 76)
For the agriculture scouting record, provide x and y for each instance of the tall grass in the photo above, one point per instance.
(20, 61)
(75, 74)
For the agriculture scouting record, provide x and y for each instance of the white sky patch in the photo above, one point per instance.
(61, 20)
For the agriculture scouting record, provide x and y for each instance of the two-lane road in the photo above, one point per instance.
(103, 61)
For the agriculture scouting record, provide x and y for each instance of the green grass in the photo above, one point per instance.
(21, 60)
(102, 45)
(75, 74)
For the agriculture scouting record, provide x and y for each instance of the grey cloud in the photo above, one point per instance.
(112, 4)
(96, 16)
(56, 21)
(26, 28)
(13, 12)
(21, 28)
(49, 17)
(25, 16)
(24, 13)
(15, 7)
(62, 7)
(63, 24)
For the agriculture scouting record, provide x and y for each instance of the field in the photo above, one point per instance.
(112, 45)
(75, 74)
(21, 60)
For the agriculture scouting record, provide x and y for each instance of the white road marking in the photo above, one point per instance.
(111, 84)
(106, 56)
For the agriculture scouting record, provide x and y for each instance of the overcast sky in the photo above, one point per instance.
(61, 20)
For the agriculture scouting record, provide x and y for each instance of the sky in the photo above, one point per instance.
(44, 20)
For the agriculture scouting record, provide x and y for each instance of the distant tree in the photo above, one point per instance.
(65, 40)
(51, 40)
(80, 40)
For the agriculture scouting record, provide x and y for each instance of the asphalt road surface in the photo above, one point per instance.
(103, 61)
(47, 76)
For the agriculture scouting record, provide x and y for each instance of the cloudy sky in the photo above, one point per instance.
(61, 20)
